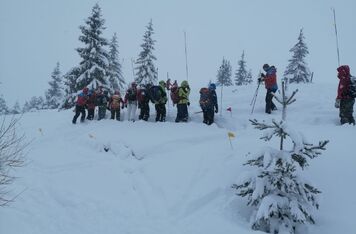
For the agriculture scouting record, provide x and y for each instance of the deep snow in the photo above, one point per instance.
(171, 177)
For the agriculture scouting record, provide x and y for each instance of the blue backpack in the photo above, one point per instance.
(155, 93)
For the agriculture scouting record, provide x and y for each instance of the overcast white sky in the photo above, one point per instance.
(36, 34)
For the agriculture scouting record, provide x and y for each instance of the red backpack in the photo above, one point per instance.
(175, 94)
(204, 100)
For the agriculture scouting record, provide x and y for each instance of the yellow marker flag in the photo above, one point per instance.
(231, 135)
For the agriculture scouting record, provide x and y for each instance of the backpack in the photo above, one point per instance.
(115, 102)
(102, 100)
(142, 95)
(352, 87)
(174, 94)
(131, 94)
(204, 100)
(155, 93)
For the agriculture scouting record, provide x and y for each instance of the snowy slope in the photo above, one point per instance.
(168, 177)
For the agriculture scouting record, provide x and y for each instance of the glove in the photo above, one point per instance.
(337, 103)
(122, 107)
(188, 103)
(126, 105)
(259, 80)
(216, 110)
(263, 75)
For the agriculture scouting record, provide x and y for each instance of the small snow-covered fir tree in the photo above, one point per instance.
(16, 109)
(282, 198)
(116, 80)
(224, 74)
(35, 103)
(146, 71)
(297, 70)
(54, 94)
(242, 77)
(3, 107)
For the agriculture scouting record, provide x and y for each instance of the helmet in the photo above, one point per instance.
(117, 92)
(265, 67)
(134, 84)
(184, 83)
(85, 90)
(212, 86)
(162, 82)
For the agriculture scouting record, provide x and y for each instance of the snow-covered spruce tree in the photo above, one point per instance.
(116, 80)
(95, 58)
(242, 77)
(92, 70)
(54, 95)
(283, 200)
(297, 70)
(224, 74)
(3, 107)
(146, 71)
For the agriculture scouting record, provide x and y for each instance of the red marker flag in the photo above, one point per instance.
(229, 109)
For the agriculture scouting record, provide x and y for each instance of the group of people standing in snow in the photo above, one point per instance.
(89, 99)
(140, 97)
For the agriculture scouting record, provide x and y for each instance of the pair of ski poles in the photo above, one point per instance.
(253, 101)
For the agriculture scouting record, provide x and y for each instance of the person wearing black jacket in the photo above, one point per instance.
(143, 99)
(212, 107)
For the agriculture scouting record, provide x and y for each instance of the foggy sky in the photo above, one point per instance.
(36, 34)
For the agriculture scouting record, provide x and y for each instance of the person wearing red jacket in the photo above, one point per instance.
(344, 101)
(270, 79)
(91, 104)
(80, 105)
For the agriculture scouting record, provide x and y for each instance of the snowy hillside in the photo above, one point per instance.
(168, 177)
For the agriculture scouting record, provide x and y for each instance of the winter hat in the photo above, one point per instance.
(265, 67)
(85, 90)
(344, 70)
(212, 86)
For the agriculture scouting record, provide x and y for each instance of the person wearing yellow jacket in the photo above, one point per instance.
(182, 106)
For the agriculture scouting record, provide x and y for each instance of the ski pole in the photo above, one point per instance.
(337, 39)
(255, 98)
(255, 95)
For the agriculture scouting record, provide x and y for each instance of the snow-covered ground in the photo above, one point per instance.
(171, 177)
